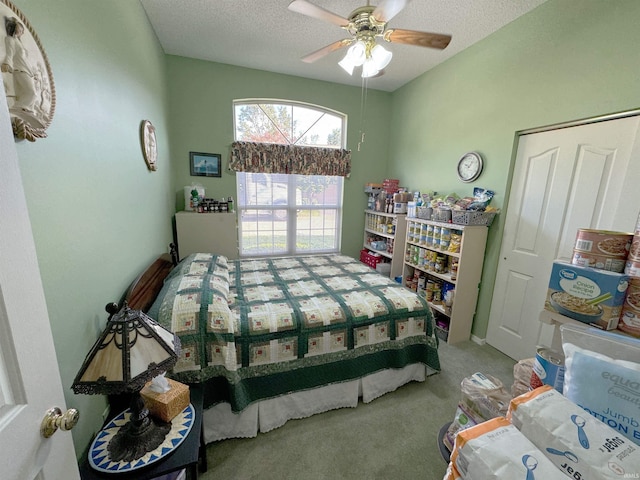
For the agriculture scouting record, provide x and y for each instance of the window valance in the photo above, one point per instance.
(292, 159)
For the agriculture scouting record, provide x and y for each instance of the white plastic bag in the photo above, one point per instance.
(602, 375)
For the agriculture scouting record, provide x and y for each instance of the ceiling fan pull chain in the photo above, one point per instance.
(361, 141)
(363, 108)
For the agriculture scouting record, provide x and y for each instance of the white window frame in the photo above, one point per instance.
(292, 206)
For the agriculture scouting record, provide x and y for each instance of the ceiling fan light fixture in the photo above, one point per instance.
(347, 64)
(381, 56)
(369, 68)
(358, 53)
(365, 25)
(356, 56)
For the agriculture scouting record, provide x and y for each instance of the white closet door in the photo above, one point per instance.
(585, 176)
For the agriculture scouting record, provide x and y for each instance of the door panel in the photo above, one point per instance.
(516, 291)
(29, 378)
(564, 179)
(530, 215)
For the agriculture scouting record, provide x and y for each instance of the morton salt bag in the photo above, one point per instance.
(602, 375)
(581, 446)
(496, 450)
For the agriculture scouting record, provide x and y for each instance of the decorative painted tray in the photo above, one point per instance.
(99, 455)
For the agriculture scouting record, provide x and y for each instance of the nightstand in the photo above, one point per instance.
(190, 454)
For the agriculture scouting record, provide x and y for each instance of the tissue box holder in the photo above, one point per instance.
(166, 406)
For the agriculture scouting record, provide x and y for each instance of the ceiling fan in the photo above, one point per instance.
(365, 25)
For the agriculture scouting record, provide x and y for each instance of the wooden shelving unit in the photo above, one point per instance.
(469, 259)
(388, 228)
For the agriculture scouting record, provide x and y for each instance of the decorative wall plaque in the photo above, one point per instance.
(26, 75)
(149, 144)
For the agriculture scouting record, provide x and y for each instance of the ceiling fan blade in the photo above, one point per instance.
(387, 9)
(419, 39)
(311, 10)
(318, 54)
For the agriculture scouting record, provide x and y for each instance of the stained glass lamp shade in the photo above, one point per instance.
(131, 350)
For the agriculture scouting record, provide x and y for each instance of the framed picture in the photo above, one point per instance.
(26, 75)
(205, 164)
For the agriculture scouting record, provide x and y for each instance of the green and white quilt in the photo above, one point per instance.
(256, 329)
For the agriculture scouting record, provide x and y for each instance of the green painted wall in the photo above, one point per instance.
(565, 60)
(99, 216)
(201, 96)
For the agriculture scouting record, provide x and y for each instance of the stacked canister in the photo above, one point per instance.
(617, 252)
(602, 249)
(630, 316)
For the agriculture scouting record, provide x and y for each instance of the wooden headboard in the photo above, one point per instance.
(143, 290)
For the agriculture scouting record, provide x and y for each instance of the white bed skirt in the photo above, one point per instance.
(220, 423)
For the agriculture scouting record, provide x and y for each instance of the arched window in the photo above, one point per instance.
(288, 123)
(282, 213)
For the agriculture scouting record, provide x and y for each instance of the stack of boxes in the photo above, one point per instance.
(630, 316)
(600, 285)
(390, 185)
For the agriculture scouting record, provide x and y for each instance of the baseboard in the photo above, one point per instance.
(478, 340)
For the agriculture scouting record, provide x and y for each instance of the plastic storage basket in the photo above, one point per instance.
(463, 217)
(424, 213)
(369, 258)
(441, 215)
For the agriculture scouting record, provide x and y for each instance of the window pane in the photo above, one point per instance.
(288, 124)
(282, 214)
(304, 119)
(262, 189)
(326, 132)
(317, 230)
(254, 123)
(261, 234)
(269, 212)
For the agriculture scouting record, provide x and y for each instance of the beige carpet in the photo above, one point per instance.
(392, 438)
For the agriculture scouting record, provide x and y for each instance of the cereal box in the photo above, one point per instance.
(586, 294)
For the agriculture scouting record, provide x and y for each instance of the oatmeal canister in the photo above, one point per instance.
(602, 249)
(630, 316)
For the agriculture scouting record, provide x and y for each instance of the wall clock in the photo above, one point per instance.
(148, 140)
(470, 167)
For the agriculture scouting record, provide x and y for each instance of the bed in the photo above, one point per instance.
(275, 339)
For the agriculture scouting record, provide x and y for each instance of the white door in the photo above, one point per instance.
(29, 378)
(563, 180)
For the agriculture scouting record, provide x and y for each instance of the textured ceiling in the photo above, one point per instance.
(265, 35)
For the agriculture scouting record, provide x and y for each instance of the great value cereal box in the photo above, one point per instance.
(586, 294)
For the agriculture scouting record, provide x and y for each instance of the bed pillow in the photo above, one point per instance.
(200, 264)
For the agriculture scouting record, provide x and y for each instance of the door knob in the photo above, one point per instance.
(54, 419)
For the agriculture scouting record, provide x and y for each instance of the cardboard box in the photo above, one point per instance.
(574, 291)
(166, 405)
(399, 208)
